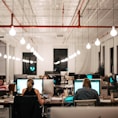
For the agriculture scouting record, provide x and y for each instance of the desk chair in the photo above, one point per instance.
(26, 107)
(88, 102)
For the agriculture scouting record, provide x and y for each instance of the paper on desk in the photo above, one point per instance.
(56, 98)
(1, 100)
(105, 100)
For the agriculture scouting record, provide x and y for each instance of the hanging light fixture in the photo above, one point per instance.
(12, 31)
(113, 31)
(22, 41)
(78, 52)
(88, 45)
(28, 46)
(97, 42)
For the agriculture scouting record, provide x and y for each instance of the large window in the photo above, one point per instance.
(112, 60)
(30, 64)
(60, 54)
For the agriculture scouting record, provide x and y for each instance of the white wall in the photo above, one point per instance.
(86, 62)
(2, 60)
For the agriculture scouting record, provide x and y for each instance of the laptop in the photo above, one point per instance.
(84, 112)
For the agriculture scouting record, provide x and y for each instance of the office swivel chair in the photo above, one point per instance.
(88, 102)
(26, 107)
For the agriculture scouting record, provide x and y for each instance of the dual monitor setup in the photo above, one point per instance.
(44, 86)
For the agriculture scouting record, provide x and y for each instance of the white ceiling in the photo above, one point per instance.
(42, 16)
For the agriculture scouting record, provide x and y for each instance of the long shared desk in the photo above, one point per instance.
(6, 104)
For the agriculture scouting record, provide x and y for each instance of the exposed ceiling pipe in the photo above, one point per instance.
(63, 15)
(77, 13)
(11, 12)
(48, 26)
(80, 4)
(54, 26)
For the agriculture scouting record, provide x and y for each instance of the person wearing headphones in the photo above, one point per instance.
(32, 91)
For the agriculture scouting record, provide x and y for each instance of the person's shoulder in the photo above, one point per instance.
(80, 89)
(24, 89)
(94, 90)
(36, 90)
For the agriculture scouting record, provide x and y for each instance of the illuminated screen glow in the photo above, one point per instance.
(95, 84)
(117, 78)
(22, 83)
(89, 76)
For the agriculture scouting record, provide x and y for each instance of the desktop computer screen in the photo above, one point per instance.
(95, 84)
(22, 83)
(89, 76)
(48, 87)
(116, 77)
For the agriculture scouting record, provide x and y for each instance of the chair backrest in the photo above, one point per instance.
(26, 107)
(88, 102)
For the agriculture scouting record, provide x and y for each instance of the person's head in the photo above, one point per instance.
(45, 77)
(1, 82)
(87, 83)
(30, 83)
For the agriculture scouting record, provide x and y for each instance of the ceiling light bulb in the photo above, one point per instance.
(32, 49)
(22, 41)
(12, 31)
(113, 31)
(28, 46)
(97, 42)
(0, 54)
(88, 46)
(78, 52)
(5, 56)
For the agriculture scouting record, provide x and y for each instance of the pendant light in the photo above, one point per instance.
(12, 31)
(88, 45)
(113, 31)
(22, 41)
(97, 42)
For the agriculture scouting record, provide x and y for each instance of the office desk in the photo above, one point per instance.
(6, 107)
(109, 102)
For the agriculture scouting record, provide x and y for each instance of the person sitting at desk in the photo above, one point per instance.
(87, 92)
(32, 91)
(2, 85)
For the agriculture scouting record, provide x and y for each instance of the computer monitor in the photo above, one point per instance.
(57, 79)
(95, 84)
(116, 77)
(89, 76)
(71, 74)
(82, 76)
(48, 87)
(19, 76)
(22, 83)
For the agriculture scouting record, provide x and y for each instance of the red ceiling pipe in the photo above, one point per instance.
(54, 26)
(78, 13)
(78, 18)
(11, 13)
(63, 15)
(12, 19)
